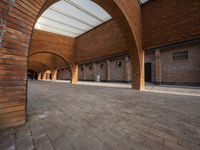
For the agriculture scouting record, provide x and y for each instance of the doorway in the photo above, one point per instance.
(148, 72)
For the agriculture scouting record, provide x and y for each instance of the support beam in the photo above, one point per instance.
(137, 71)
(54, 74)
(127, 69)
(74, 73)
(84, 72)
(108, 71)
(157, 67)
(44, 75)
(39, 76)
(95, 71)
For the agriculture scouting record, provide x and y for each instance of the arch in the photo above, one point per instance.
(19, 20)
(58, 55)
(40, 64)
(129, 23)
(42, 52)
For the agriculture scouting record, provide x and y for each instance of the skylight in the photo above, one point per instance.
(72, 17)
(143, 1)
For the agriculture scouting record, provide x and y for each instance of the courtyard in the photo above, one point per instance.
(62, 116)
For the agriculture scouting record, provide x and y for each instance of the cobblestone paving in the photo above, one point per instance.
(80, 117)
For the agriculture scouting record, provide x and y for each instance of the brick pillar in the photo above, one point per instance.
(54, 75)
(127, 69)
(157, 67)
(49, 76)
(74, 73)
(84, 72)
(108, 71)
(39, 76)
(95, 70)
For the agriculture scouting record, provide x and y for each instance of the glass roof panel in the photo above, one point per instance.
(72, 16)
(51, 23)
(143, 1)
(94, 9)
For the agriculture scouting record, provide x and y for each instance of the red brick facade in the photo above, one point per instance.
(158, 22)
(181, 72)
(165, 22)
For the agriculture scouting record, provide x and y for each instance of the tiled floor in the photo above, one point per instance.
(149, 87)
(81, 117)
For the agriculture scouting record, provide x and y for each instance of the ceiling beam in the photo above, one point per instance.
(84, 10)
(70, 16)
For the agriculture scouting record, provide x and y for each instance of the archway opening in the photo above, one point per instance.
(57, 68)
(19, 29)
(77, 18)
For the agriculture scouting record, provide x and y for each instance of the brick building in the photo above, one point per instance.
(177, 64)
(168, 31)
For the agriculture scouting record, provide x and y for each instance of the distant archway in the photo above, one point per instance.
(51, 65)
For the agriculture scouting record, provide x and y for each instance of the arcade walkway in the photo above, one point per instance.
(80, 117)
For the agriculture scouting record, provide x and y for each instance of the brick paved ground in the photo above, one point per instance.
(81, 117)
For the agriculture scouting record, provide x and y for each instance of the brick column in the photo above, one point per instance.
(74, 73)
(44, 75)
(39, 76)
(95, 70)
(127, 69)
(108, 71)
(157, 67)
(54, 75)
(84, 72)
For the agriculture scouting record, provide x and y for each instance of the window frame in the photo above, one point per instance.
(175, 58)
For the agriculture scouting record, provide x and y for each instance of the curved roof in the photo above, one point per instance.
(72, 17)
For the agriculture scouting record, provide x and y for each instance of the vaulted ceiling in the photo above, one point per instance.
(73, 17)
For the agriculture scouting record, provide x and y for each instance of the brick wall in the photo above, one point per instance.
(118, 73)
(101, 70)
(89, 72)
(80, 72)
(169, 21)
(109, 41)
(172, 72)
(53, 43)
(181, 72)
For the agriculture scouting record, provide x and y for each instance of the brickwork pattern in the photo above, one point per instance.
(165, 22)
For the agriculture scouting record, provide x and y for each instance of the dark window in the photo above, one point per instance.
(180, 55)
(118, 64)
(81, 68)
(101, 66)
(90, 67)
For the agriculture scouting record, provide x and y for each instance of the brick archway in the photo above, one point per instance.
(39, 67)
(52, 67)
(18, 19)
